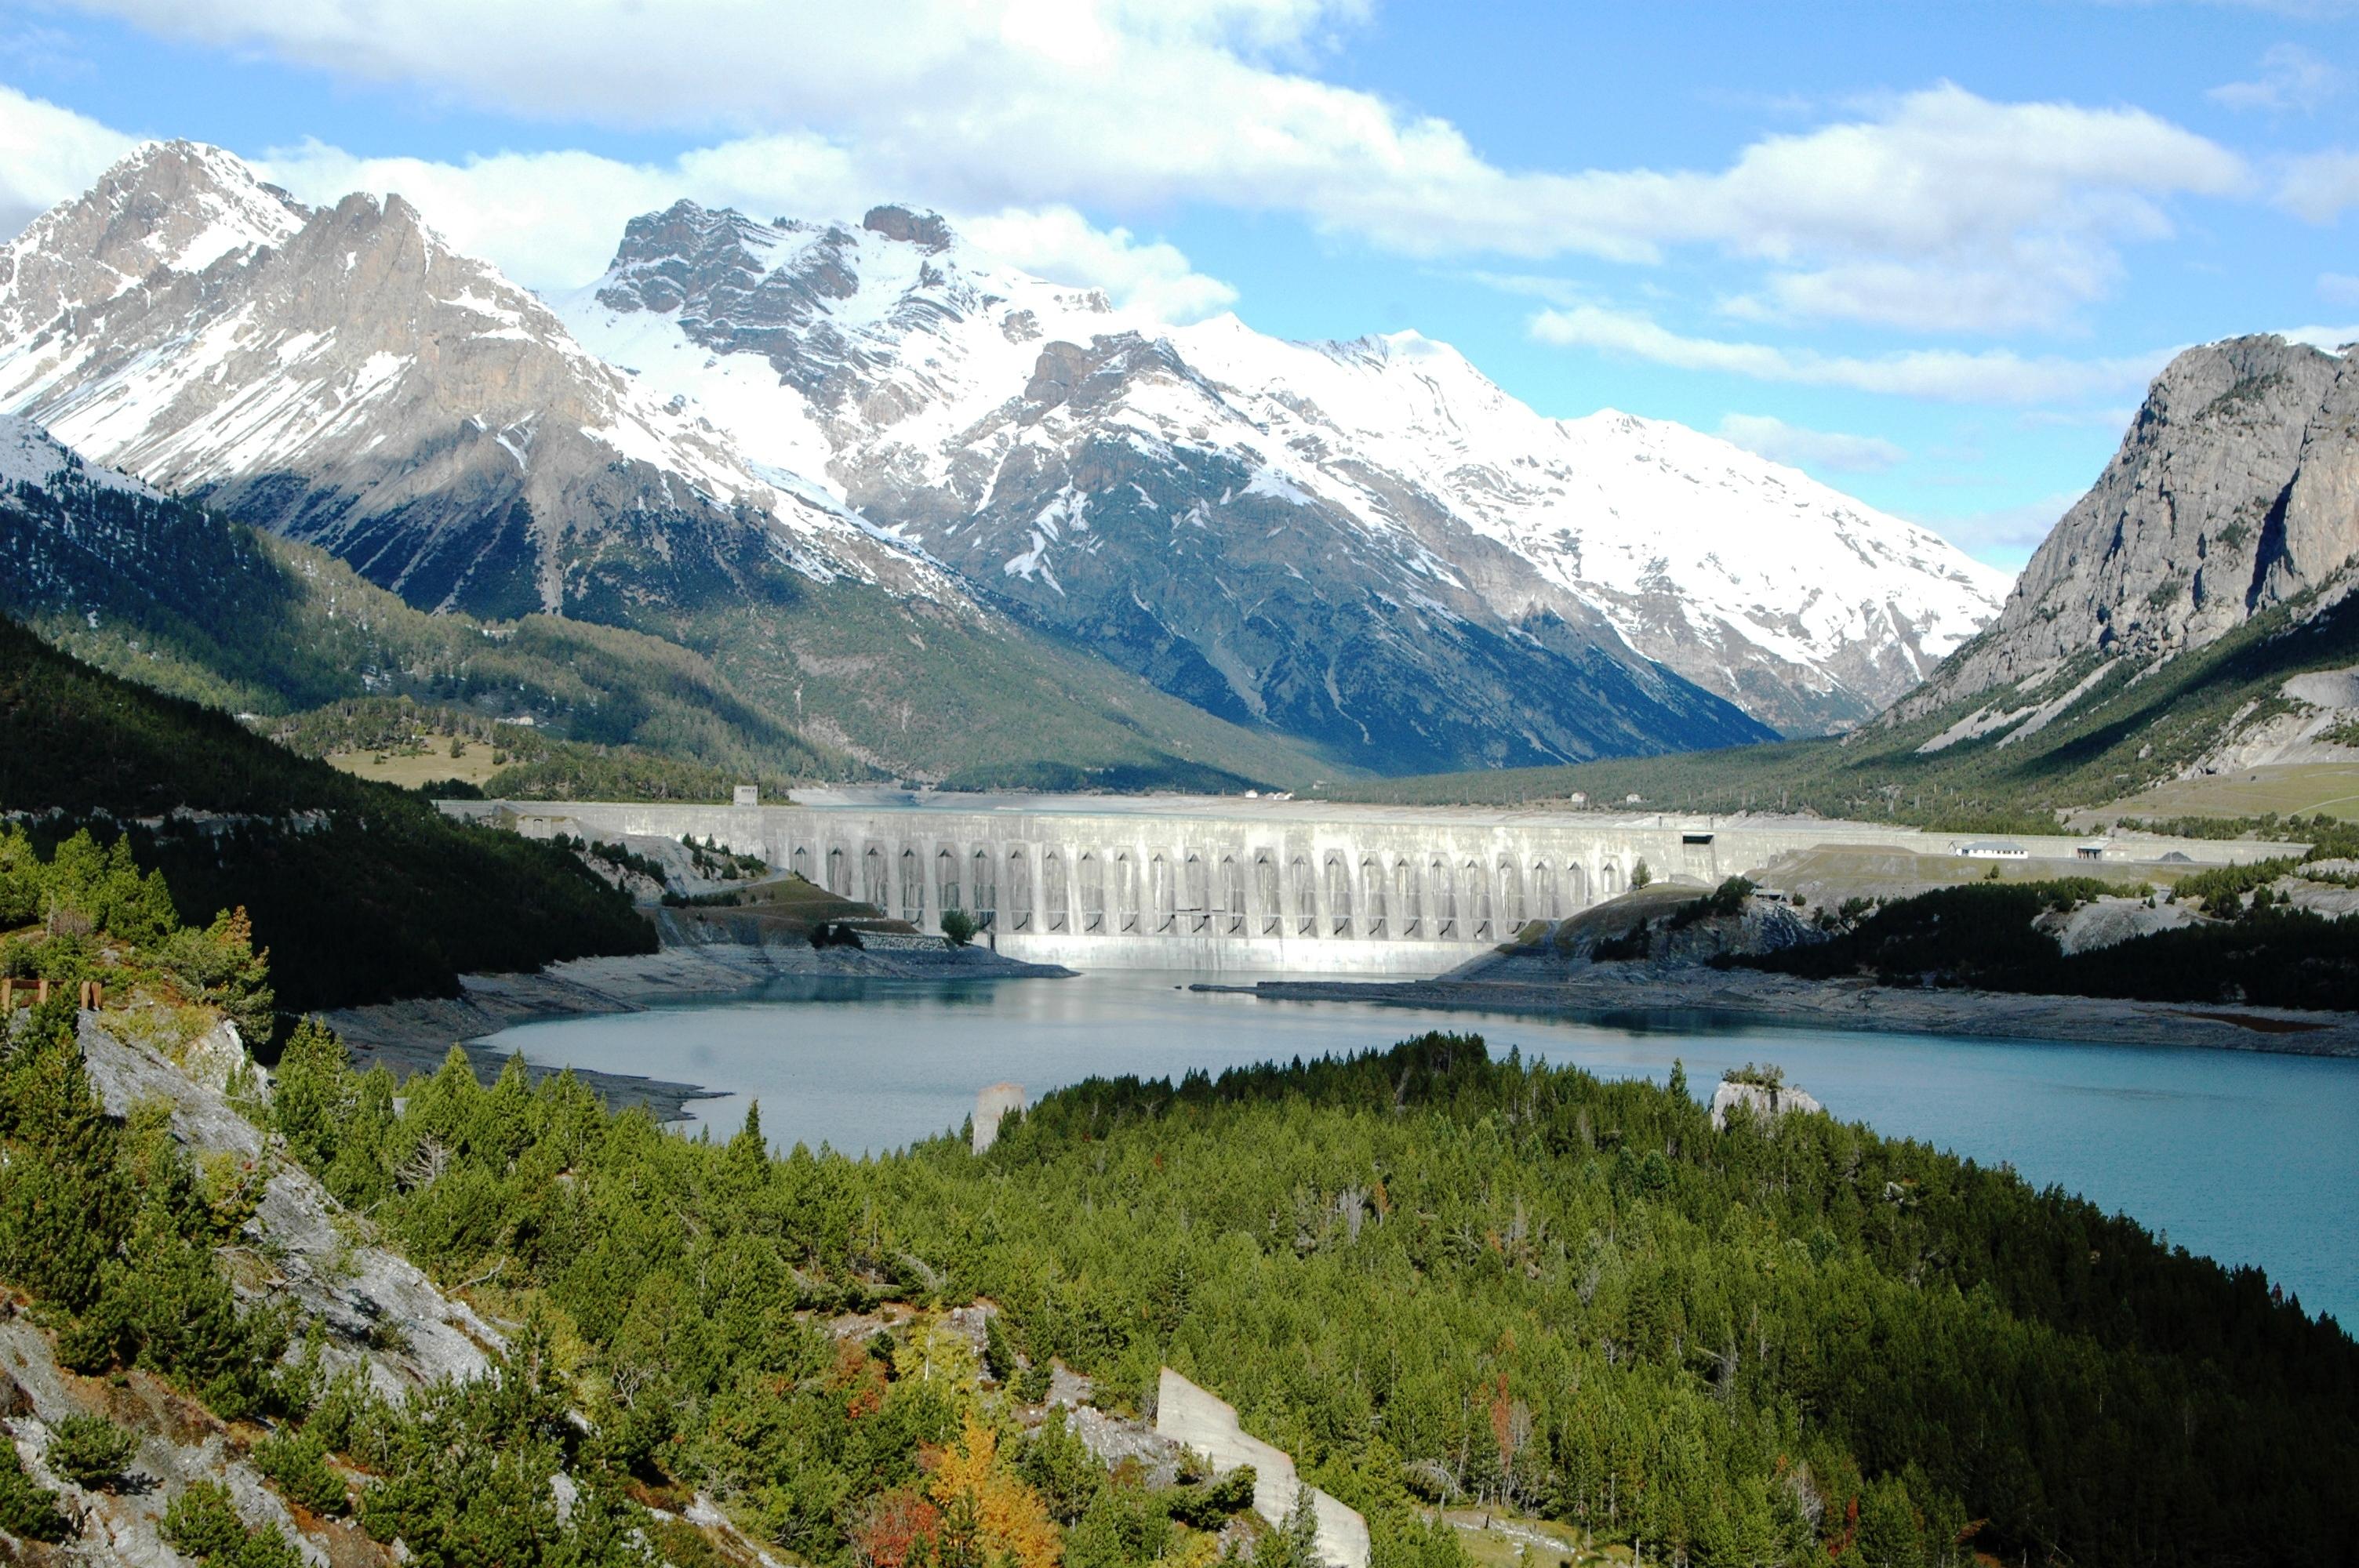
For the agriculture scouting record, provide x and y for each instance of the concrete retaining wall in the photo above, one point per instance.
(1195, 1419)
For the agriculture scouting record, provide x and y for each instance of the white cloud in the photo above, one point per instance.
(2319, 186)
(2292, 77)
(2340, 287)
(47, 154)
(1774, 438)
(1058, 243)
(2024, 284)
(1129, 105)
(551, 219)
(1993, 375)
(2331, 339)
(547, 220)
(2004, 537)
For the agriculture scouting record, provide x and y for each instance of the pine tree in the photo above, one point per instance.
(311, 1094)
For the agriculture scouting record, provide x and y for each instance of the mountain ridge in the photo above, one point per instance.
(912, 375)
(939, 458)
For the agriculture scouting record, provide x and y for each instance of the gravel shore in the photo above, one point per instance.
(413, 1036)
(1518, 982)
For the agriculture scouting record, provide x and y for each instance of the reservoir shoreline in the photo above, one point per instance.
(414, 1034)
(1608, 990)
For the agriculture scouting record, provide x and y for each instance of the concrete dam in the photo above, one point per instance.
(1220, 883)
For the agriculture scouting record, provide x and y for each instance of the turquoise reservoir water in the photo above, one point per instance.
(2245, 1156)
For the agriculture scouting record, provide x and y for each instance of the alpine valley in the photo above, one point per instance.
(2187, 624)
(877, 495)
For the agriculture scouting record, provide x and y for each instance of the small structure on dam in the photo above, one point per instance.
(1192, 1418)
(992, 1106)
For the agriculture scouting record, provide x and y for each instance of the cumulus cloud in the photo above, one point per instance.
(551, 219)
(1774, 438)
(2291, 78)
(2319, 186)
(1993, 375)
(2330, 338)
(1129, 106)
(47, 154)
(1058, 243)
(2004, 537)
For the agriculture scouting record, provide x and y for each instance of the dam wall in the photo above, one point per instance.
(1215, 883)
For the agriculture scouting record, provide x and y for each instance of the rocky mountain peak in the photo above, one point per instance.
(175, 207)
(927, 231)
(2235, 490)
(686, 250)
(356, 382)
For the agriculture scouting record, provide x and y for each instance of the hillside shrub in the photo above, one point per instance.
(297, 1464)
(27, 1510)
(90, 1451)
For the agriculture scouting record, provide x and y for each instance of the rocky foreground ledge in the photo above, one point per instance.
(414, 1035)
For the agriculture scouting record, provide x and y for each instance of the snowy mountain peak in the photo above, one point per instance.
(173, 207)
(938, 386)
(342, 374)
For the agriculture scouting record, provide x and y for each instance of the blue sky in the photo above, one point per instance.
(1929, 253)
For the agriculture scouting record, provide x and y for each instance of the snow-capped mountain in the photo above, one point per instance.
(343, 376)
(826, 457)
(1209, 502)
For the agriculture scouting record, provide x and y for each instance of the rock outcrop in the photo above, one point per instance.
(382, 1313)
(2108, 922)
(2235, 489)
(1763, 1102)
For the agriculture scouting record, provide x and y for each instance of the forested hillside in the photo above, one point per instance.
(195, 605)
(360, 892)
(1430, 1274)
(781, 689)
(1987, 936)
(1433, 1276)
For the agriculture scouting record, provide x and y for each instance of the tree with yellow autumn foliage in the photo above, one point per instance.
(981, 1496)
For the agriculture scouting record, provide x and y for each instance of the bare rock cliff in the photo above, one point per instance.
(2235, 489)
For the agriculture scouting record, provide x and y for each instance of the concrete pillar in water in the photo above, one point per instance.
(990, 1107)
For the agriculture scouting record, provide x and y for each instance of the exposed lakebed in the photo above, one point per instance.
(2247, 1158)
